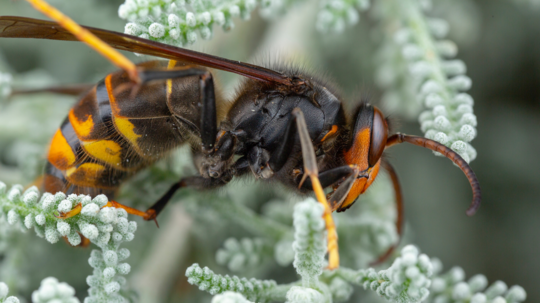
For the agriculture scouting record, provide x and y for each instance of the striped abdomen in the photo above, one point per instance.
(108, 136)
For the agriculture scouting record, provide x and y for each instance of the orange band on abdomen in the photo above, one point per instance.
(60, 154)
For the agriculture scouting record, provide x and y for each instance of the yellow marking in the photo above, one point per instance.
(87, 37)
(171, 65)
(125, 127)
(70, 171)
(60, 153)
(105, 150)
(82, 128)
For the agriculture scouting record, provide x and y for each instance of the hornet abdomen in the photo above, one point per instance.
(109, 135)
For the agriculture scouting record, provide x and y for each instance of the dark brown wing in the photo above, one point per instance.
(21, 27)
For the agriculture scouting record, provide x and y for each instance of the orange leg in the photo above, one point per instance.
(75, 211)
(147, 216)
(87, 37)
(333, 253)
(311, 170)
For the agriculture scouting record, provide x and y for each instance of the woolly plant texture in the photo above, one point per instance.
(252, 230)
(106, 227)
(180, 22)
(416, 67)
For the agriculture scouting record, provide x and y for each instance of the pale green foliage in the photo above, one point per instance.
(407, 280)
(451, 287)
(309, 241)
(299, 294)
(230, 297)
(369, 228)
(4, 290)
(336, 15)
(180, 22)
(107, 279)
(52, 291)
(252, 289)
(106, 227)
(416, 70)
(239, 255)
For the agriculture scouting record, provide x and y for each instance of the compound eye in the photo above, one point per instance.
(379, 134)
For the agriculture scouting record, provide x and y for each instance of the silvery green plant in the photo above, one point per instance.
(52, 291)
(230, 297)
(239, 255)
(369, 228)
(417, 47)
(407, 280)
(181, 22)
(106, 227)
(451, 287)
(412, 277)
(417, 68)
(336, 15)
(4, 290)
(252, 289)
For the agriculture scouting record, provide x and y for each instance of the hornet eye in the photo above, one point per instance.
(379, 134)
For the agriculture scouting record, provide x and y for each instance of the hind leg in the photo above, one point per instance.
(311, 170)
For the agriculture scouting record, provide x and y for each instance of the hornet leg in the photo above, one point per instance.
(347, 174)
(311, 170)
(77, 209)
(194, 182)
(448, 153)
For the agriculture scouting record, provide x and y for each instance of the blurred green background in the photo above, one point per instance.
(499, 40)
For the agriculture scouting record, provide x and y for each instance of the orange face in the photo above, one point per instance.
(368, 142)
